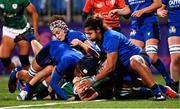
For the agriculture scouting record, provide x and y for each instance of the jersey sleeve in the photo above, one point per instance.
(77, 35)
(111, 44)
(121, 4)
(25, 3)
(87, 7)
(126, 2)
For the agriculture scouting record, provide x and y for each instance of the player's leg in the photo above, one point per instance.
(6, 47)
(152, 37)
(139, 65)
(174, 48)
(24, 48)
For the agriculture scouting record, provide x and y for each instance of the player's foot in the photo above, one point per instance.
(171, 93)
(159, 97)
(22, 95)
(12, 83)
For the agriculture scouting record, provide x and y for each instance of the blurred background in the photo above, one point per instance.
(72, 9)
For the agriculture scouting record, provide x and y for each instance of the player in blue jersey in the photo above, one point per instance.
(61, 31)
(145, 30)
(63, 34)
(54, 53)
(172, 9)
(119, 50)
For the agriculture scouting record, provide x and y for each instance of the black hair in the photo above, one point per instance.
(89, 65)
(96, 22)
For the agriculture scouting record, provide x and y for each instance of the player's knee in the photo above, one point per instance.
(24, 59)
(151, 50)
(175, 60)
(136, 60)
(6, 61)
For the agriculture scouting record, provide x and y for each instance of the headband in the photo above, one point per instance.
(58, 24)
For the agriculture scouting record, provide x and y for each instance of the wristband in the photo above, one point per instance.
(93, 80)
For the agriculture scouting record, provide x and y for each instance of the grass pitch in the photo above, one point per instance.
(8, 100)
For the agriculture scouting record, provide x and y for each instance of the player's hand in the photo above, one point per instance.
(86, 84)
(112, 13)
(162, 13)
(75, 42)
(138, 13)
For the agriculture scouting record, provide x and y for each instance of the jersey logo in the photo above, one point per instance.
(2, 6)
(99, 5)
(133, 32)
(174, 3)
(172, 29)
(14, 6)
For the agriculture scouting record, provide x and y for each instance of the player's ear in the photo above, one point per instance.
(78, 72)
(98, 30)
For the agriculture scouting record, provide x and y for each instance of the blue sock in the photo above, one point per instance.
(14, 72)
(30, 37)
(161, 68)
(163, 88)
(28, 87)
(155, 89)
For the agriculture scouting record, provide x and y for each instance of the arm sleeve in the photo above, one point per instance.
(54, 82)
(87, 7)
(77, 35)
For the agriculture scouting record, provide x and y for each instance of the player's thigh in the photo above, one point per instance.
(138, 43)
(24, 47)
(136, 36)
(6, 47)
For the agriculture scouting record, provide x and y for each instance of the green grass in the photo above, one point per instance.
(8, 100)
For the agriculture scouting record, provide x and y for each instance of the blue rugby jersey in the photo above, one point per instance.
(173, 7)
(116, 42)
(140, 4)
(72, 34)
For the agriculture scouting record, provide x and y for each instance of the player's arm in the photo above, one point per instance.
(153, 7)
(86, 47)
(124, 11)
(107, 67)
(86, 10)
(30, 8)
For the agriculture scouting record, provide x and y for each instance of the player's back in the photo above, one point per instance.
(58, 49)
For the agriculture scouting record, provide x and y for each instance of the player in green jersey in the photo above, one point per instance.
(15, 23)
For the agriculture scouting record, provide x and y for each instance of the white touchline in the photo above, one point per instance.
(47, 104)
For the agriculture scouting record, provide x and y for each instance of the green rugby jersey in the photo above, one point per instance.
(13, 13)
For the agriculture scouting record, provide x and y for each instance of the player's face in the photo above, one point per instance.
(91, 34)
(59, 34)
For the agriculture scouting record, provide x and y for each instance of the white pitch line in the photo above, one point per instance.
(47, 104)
